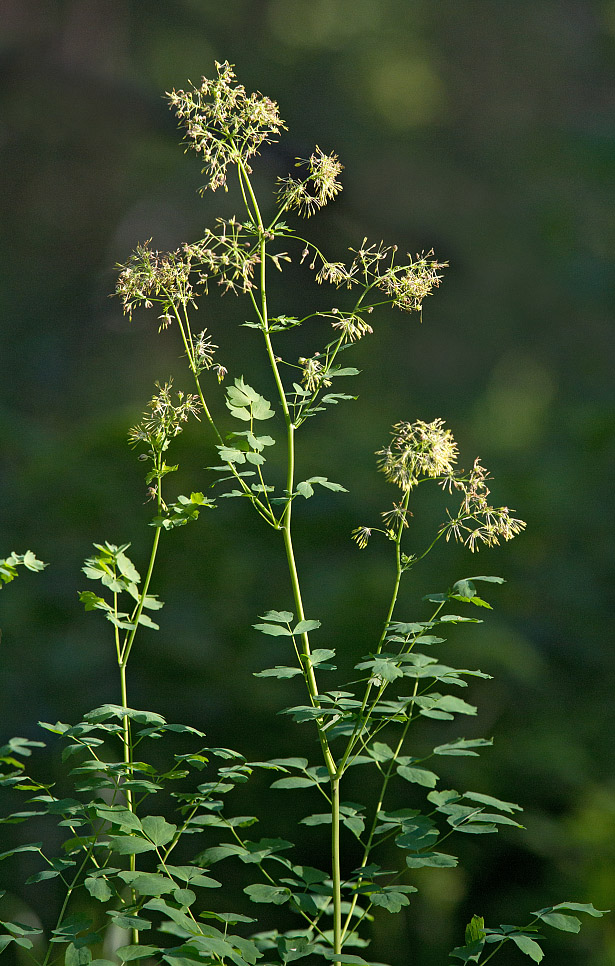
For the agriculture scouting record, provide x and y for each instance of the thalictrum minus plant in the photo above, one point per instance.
(128, 821)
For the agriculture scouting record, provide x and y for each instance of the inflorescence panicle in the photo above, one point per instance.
(224, 124)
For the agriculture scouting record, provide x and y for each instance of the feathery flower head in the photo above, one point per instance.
(224, 123)
(418, 450)
(150, 276)
(164, 418)
(319, 187)
(409, 284)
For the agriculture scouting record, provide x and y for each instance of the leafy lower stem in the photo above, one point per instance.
(368, 846)
(71, 888)
(399, 570)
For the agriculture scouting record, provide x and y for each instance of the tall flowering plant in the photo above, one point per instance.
(133, 885)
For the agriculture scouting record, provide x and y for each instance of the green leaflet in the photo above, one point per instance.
(477, 601)
(192, 875)
(380, 751)
(528, 946)
(129, 844)
(278, 672)
(306, 489)
(279, 616)
(33, 847)
(560, 921)
(475, 930)
(219, 852)
(8, 566)
(77, 955)
(130, 953)
(19, 746)
(347, 371)
(432, 860)
(245, 403)
(322, 818)
(118, 815)
(391, 898)
(267, 893)
(274, 630)
(182, 511)
(304, 627)
(586, 907)
(490, 800)
(294, 948)
(421, 776)
(148, 884)
(108, 712)
(294, 783)
(98, 888)
(382, 667)
(300, 763)
(463, 746)
(470, 953)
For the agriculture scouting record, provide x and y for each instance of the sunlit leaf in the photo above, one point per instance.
(421, 776)
(528, 946)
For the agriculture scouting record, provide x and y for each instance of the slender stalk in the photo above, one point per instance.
(399, 570)
(496, 950)
(310, 676)
(123, 662)
(335, 863)
(398, 573)
(64, 906)
(308, 668)
(368, 847)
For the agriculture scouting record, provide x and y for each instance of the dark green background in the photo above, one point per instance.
(483, 128)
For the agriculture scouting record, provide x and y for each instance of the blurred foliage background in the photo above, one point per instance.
(483, 128)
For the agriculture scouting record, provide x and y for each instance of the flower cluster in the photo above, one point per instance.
(409, 284)
(204, 351)
(477, 521)
(224, 124)
(320, 186)
(398, 514)
(336, 273)
(361, 536)
(352, 327)
(163, 419)
(227, 255)
(150, 276)
(313, 374)
(406, 286)
(418, 450)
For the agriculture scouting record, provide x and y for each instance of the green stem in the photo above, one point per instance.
(123, 662)
(398, 573)
(496, 950)
(308, 667)
(69, 892)
(368, 847)
(360, 724)
(310, 677)
(335, 857)
(139, 607)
